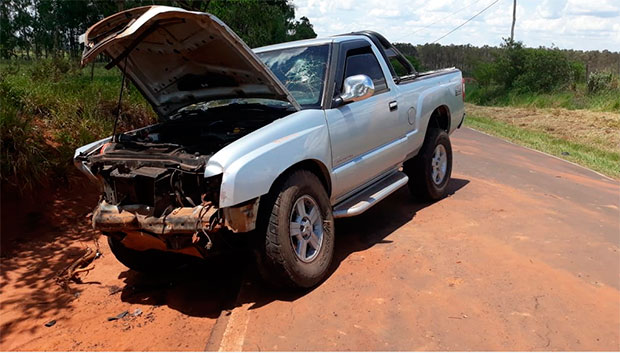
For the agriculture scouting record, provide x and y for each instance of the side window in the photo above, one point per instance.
(365, 63)
(398, 67)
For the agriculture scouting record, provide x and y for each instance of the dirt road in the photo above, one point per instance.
(524, 255)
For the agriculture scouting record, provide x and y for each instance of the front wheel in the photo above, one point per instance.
(429, 172)
(298, 229)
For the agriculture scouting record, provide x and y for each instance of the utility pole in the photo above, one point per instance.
(514, 19)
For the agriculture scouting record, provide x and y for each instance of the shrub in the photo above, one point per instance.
(56, 69)
(577, 71)
(530, 70)
(23, 162)
(485, 73)
(543, 71)
(11, 97)
(600, 81)
(48, 108)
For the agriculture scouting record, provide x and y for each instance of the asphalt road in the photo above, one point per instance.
(523, 255)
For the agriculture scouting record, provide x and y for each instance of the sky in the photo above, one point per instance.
(567, 24)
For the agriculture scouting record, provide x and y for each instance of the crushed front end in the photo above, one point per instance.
(155, 195)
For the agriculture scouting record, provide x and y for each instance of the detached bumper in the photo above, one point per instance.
(182, 220)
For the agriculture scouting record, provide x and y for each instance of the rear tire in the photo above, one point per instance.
(429, 172)
(296, 227)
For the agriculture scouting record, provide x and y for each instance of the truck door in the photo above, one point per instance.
(364, 135)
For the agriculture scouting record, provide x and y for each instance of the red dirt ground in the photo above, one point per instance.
(523, 255)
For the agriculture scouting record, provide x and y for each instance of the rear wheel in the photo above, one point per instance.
(297, 231)
(429, 172)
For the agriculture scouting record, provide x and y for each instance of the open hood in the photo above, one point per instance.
(177, 57)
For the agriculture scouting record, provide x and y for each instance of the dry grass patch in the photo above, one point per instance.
(591, 139)
(595, 129)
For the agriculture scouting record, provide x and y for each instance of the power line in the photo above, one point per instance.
(464, 23)
(443, 18)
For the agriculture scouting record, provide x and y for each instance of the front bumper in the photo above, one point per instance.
(182, 220)
(186, 230)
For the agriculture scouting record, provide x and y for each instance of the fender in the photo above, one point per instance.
(441, 94)
(250, 165)
(86, 150)
(428, 101)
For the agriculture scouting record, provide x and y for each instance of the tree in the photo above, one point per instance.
(8, 41)
(52, 27)
(261, 23)
(22, 25)
(302, 29)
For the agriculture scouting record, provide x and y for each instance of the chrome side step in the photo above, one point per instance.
(369, 197)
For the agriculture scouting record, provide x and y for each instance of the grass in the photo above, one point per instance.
(577, 98)
(51, 107)
(588, 155)
(569, 123)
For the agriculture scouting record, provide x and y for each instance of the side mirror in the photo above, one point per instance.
(357, 88)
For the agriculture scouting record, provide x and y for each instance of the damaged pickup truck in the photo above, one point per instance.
(274, 143)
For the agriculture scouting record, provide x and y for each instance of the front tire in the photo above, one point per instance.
(298, 229)
(429, 172)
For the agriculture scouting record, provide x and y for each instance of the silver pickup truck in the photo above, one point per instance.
(274, 142)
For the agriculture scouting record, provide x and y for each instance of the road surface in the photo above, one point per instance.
(523, 255)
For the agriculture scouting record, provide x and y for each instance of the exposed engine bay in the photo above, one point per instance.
(161, 167)
(154, 192)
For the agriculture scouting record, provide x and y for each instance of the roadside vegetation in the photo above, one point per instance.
(602, 101)
(542, 78)
(563, 102)
(544, 99)
(50, 107)
(591, 139)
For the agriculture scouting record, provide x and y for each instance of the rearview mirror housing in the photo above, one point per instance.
(356, 88)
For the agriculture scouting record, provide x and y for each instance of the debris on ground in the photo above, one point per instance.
(114, 289)
(119, 316)
(82, 264)
(50, 324)
(137, 312)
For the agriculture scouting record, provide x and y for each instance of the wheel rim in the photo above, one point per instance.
(306, 228)
(439, 163)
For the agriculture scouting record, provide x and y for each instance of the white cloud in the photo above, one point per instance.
(385, 13)
(576, 24)
(602, 9)
(551, 9)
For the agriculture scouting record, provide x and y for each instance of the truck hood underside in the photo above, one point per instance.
(178, 57)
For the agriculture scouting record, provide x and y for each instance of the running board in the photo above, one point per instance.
(369, 197)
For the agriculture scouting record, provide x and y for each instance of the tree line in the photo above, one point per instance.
(51, 28)
(468, 58)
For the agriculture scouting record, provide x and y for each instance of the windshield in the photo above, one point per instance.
(301, 70)
(203, 106)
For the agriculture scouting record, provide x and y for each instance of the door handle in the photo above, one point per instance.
(393, 106)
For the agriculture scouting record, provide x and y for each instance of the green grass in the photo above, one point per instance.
(49, 108)
(606, 101)
(605, 162)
